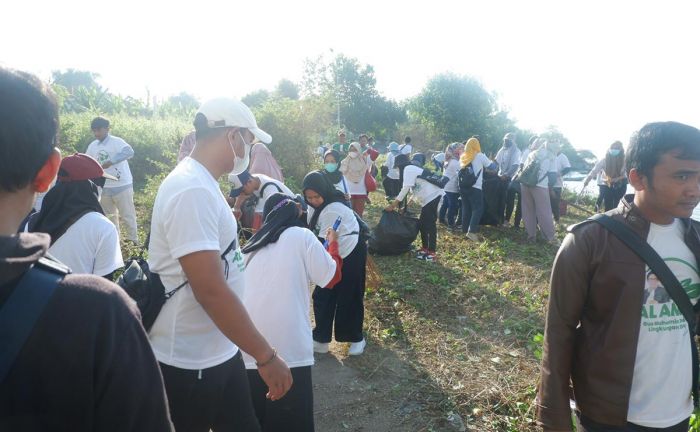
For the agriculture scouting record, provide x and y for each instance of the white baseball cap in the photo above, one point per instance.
(226, 112)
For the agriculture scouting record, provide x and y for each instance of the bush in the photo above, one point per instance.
(294, 126)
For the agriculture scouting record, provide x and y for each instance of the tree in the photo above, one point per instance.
(184, 100)
(256, 98)
(552, 133)
(454, 107)
(72, 79)
(286, 88)
(359, 105)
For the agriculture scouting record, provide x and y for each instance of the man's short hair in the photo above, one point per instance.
(99, 123)
(28, 128)
(407, 140)
(363, 135)
(202, 130)
(656, 139)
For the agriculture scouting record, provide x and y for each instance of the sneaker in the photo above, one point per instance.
(506, 224)
(473, 237)
(430, 256)
(421, 253)
(320, 347)
(357, 348)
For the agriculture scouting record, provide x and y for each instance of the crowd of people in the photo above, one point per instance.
(232, 346)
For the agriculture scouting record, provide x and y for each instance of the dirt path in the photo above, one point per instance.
(375, 392)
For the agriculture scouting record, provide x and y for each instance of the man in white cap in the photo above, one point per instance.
(193, 242)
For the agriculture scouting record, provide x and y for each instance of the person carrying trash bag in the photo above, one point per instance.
(428, 196)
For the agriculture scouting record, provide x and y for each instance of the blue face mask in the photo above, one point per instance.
(614, 152)
(330, 167)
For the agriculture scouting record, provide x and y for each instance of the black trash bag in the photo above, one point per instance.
(394, 234)
(493, 193)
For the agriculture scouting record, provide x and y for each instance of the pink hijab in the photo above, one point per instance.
(262, 162)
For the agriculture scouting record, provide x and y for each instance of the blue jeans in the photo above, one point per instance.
(450, 203)
(472, 209)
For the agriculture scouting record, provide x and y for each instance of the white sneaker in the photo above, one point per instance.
(473, 237)
(357, 348)
(320, 347)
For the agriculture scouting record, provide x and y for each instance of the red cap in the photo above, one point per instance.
(81, 167)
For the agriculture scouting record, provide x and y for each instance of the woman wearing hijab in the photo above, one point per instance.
(391, 182)
(331, 169)
(81, 236)
(537, 208)
(278, 303)
(450, 203)
(354, 167)
(613, 184)
(262, 162)
(428, 196)
(343, 306)
(473, 197)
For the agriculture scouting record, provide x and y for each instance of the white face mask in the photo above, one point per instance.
(240, 165)
(353, 155)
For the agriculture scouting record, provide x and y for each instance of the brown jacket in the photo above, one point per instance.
(597, 282)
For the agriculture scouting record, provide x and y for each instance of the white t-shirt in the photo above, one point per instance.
(348, 225)
(452, 172)
(106, 151)
(561, 162)
(389, 163)
(660, 395)
(523, 155)
(406, 149)
(278, 301)
(90, 245)
(479, 164)
(358, 188)
(269, 190)
(190, 214)
(423, 191)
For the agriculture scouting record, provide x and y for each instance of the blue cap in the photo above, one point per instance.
(238, 182)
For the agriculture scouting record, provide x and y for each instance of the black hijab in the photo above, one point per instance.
(334, 177)
(319, 183)
(280, 212)
(63, 205)
(401, 161)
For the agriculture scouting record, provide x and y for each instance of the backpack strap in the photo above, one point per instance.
(23, 308)
(668, 279)
(262, 189)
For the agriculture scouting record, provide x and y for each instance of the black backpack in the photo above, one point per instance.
(467, 177)
(146, 288)
(434, 178)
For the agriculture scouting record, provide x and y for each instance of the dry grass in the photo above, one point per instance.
(469, 325)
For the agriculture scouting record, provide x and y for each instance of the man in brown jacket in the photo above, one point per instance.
(629, 360)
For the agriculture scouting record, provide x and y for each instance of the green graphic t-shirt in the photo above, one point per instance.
(660, 395)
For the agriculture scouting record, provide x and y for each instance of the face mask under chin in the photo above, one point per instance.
(240, 164)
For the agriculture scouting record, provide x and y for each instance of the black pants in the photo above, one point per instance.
(294, 412)
(510, 205)
(555, 200)
(584, 424)
(601, 197)
(217, 398)
(613, 195)
(502, 194)
(427, 224)
(344, 303)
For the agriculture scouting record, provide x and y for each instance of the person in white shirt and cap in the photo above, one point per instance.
(194, 250)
